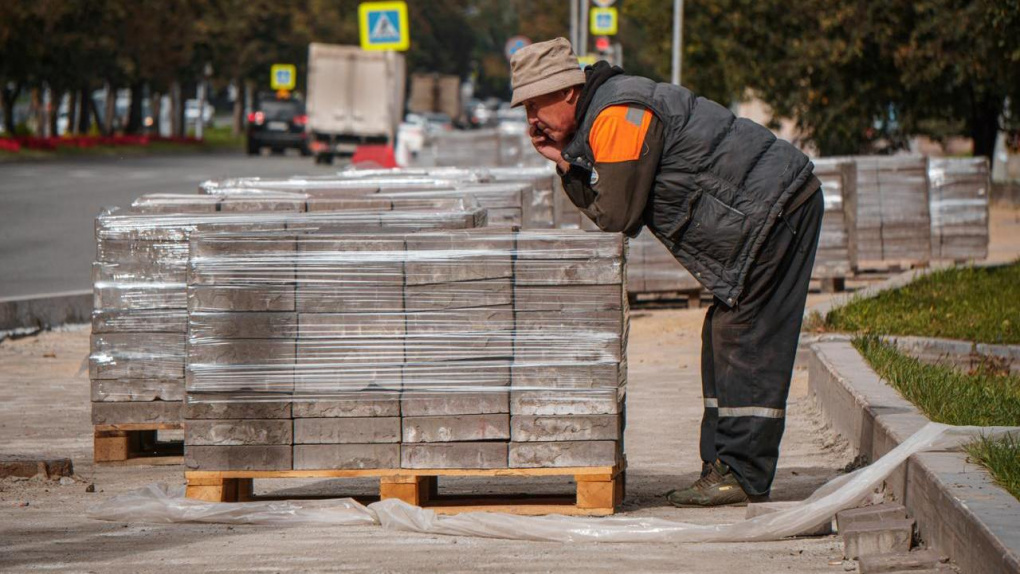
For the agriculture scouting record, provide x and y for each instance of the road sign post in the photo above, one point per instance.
(384, 26)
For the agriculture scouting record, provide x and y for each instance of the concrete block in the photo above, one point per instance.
(572, 299)
(237, 409)
(923, 560)
(338, 354)
(137, 390)
(459, 295)
(566, 428)
(350, 295)
(238, 432)
(882, 537)
(865, 514)
(347, 430)
(229, 325)
(140, 321)
(222, 254)
(568, 272)
(147, 412)
(323, 379)
(569, 244)
(137, 356)
(461, 266)
(242, 352)
(578, 376)
(454, 403)
(454, 455)
(562, 402)
(272, 457)
(22, 466)
(156, 252)
(364, 404)
(341, 325)
(346, 456)
(127, 296)
(756, 509)
(564, 453)
(235, 298)
(554, 337)
(456, 428)
(245, 203)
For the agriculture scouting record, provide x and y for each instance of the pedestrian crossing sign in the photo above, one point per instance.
(282, 76)
(383, 26)
(604, 21)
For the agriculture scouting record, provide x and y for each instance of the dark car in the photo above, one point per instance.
(278, 124)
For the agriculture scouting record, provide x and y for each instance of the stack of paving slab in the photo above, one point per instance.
(139, 323)
(836, 256)
(893, 219)
(485, 348)
(959, 208)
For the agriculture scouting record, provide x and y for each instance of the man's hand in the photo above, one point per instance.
(548, 148)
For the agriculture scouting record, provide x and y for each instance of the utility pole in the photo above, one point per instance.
(583, 25)
(573, 25)
(678, 39)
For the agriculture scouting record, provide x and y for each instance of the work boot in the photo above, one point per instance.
(717, 486)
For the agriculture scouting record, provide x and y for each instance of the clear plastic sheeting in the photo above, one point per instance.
(157, 503)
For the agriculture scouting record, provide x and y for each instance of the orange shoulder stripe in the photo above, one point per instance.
(618, 133)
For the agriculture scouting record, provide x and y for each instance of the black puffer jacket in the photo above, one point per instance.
(722, 181)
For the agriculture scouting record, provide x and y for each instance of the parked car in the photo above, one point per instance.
(278, 124)
(191, 113)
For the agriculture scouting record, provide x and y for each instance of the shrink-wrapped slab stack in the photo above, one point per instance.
(485, 348)
(959, 208)
(137, 359)
(836, 256)
(893, 221)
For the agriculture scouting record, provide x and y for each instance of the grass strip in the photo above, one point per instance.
(1002, 458)
(984, 397)
(979, 304)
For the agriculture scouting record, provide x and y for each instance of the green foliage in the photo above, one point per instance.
(970, 303)
(1002, 459)
(944, 394)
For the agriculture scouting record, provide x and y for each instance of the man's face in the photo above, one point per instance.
(553, 114)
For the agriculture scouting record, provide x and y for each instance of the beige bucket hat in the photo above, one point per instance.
(543, 68)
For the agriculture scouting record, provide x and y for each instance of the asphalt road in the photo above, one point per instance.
(47, 208)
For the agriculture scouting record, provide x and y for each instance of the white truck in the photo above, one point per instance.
(354, 97)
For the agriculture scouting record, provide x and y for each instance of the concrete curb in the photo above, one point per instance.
(31, 314)
(960, 511)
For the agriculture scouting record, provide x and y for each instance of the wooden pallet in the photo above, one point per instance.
(136, 443)
(667, 299)
(599, 489)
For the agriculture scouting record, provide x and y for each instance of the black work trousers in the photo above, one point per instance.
(748, 352)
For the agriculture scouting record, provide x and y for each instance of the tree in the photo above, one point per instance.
(962, 61)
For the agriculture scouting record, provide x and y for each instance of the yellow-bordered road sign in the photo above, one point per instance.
(604, 21)
(283, 76)
(384, 26)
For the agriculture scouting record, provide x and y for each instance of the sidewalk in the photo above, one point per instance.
(44, 409)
